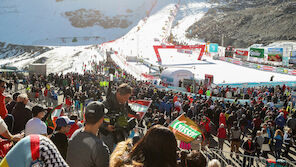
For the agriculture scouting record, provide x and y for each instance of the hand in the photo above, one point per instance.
(17, 137)
(110, 128)
(136, 130)
(138, 116)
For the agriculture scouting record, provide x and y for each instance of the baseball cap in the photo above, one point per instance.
(64, 121)
(94, 112)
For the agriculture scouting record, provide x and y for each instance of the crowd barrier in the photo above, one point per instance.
(234, 159)
(257, 84)
(183, 90)
(259, 66)
(228, 158)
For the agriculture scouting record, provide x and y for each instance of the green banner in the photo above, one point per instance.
(280, 70)
(255, 52)
(185, 129)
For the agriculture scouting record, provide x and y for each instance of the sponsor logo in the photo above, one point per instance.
(237, 62)
(293, 72)
(254, 53)
(281, 70)
(185, 129)
(241, 52)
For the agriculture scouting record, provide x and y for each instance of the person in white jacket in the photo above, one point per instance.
(5, 132)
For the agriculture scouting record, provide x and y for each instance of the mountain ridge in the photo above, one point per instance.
(243, 23)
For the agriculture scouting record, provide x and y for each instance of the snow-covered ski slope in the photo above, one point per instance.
(190, 12)
(139, 41)
(59, 59)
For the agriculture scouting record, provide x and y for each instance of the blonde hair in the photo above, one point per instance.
(120, 156)
(214, 163)
(287, 129)
(278, 132)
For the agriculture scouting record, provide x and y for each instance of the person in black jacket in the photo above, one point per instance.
(59, 137)
(249, 148)
(118, 124)
(21, 114)
(243, 125)
(11, 105)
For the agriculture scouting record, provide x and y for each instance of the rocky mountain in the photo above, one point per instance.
(241, 23)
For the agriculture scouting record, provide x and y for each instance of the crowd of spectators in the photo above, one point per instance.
(260, 121)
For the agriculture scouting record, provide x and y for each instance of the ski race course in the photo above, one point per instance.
(137, 40)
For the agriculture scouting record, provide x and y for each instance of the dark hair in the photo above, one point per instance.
(91, 119)
(124, 89)
(192, 159)
(158, 146)
(2, 81)
(58, 128)
(37, 109)
(94, 112)
(15, 95)
(74, 117)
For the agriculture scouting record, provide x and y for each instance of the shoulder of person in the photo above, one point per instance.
(101, 152)
(28, 109)
(60, 136)
(110, 98)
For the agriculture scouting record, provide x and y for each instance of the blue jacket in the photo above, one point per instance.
(168, 107)
(278, 142)
(280, 121)
(162, 106)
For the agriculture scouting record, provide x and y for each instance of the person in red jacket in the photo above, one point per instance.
(222, 118)
(3, 110)
(8, 118)
(200, 91)
(221, 135)
(45, 93)
(205, 124)
(74, 127)
(68, 103)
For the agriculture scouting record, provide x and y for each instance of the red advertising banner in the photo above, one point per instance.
(241, 52)
(147, 76)
(190, 47)
(237, 62)
(292, 72)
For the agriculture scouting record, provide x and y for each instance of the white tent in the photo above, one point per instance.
(173, 76)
